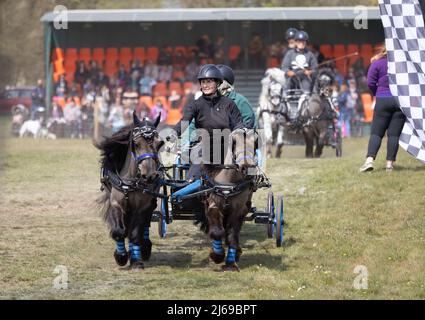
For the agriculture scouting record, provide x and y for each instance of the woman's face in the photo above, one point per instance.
(208, 86)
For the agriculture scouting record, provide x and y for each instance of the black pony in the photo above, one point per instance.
(317, 113)
(130, 179)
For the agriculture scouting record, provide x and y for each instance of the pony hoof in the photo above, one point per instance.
(146, 250)
(238, 254)
(137, 264)
(230, 267)
(121, 258)
(217, 258)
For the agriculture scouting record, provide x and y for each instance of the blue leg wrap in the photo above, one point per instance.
(135, 252)
(231, 255)
(120, 246)
(217, 246)
(130, 247)
(190, 188)
(146, 233)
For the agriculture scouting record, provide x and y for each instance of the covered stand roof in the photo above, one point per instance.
(216, 14)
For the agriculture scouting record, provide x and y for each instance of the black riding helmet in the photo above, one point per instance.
(302, 36)
(290, 33)
(227, 73)
(210, 71)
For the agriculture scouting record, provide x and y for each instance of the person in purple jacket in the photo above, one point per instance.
(387, 116)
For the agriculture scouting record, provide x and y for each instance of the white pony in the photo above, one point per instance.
(271, 108)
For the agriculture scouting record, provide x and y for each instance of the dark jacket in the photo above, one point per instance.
(217, 113)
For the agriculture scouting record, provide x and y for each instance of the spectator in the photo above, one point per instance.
(165, 57)
(151, 69)
(37, 98)
(116, 116)
(143, 111)
(319, 55)
(134, 81)
(205, 47)
(146, 84)
(122, 77)
(88, 86)
(387, 117)
(94, 71)
(174, 100)
(347, 102)
(179, 60)
(61, 86)
(219, 51)
(81, 74)
(135, 66)
(158, 108)
(57, 112)
(165, 73)
(255, 50)
(102, 79)
(72, 115)
(191, 69)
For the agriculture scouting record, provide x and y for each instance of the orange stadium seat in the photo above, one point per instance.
(84, 54)
(152, 53)
(126, 54)
(327, 50)
(341, 64)
(111, 53)
(353, 48)
(234, 52)
(272, 62)
(140, 54)
(175, 85)
(188, 85)
(366, 51)
(160, 89)
(99, 55)
(181, 49)
(71, 54)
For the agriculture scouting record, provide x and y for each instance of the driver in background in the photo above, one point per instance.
(299, 64)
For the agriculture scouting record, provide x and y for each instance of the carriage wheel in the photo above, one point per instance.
(279, 223)
(338, 143)
(162, 221)
(272, 217)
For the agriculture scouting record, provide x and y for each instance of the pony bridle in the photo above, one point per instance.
(324, 83)
(148, 133)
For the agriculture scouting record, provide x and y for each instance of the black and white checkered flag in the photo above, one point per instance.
(405, 41)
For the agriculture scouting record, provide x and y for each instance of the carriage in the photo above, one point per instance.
(188, 207)
(280, 113)
(293, 100)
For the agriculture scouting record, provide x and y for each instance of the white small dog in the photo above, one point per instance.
(34, 128)
(31, 127)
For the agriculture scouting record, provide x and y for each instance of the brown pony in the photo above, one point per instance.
(316, 115)
(130, 181)
(227, 206)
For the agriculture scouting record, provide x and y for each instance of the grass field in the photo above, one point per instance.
(336, 218)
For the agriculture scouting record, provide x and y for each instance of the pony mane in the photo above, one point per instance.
(114, 149)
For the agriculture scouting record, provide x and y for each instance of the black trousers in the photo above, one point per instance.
(388, 118)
